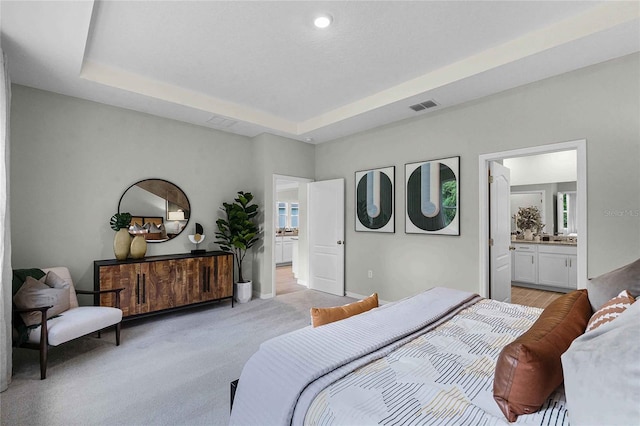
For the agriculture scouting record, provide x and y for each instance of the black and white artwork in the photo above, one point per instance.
(433, 197)
(375, 200)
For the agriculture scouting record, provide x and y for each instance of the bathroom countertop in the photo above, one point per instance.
(552, 243)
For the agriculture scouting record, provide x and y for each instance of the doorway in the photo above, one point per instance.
(290, 242)
(579, 147)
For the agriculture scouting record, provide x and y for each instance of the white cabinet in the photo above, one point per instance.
(545, 265)
(525, 265)
(557, 266)
(284, 249)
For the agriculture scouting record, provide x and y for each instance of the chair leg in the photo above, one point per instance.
(118, 334)
(44, 347)
(43, 362)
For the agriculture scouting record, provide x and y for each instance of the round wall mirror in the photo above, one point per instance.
(159, 209)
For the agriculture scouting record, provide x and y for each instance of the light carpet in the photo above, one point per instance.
(170, 369)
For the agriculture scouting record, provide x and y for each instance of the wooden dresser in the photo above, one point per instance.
(161, 283)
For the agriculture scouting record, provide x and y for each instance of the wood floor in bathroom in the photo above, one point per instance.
(533, 297)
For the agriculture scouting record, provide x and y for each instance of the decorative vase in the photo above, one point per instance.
(243, 292)
(138, 247)
(528, 235)
(121, 244)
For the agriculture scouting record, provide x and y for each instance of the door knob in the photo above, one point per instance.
(340, 242)
(512, 248)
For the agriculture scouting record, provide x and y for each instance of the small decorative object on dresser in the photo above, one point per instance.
(197, 238)
(122, 241)
(138, 247)
(237, 233)
(529, 220)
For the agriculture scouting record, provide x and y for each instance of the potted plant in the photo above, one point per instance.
(528, 219)
(237, 233)
(122, 242)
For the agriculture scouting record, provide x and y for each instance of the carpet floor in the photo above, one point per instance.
(170, 369)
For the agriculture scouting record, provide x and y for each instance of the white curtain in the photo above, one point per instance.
(5, 228)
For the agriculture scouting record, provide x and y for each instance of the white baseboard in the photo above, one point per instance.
(303, 282)
(262, 296)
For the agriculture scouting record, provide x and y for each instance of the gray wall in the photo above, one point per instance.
(72, 160)
(598, 103)
(280, 156)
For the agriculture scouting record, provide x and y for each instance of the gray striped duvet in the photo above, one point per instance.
(443, 377)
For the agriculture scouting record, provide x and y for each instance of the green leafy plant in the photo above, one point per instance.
(238, 232)
(529, 218)
(120, 220)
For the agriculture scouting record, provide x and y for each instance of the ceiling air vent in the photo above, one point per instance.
(423, 105)
(221, 122)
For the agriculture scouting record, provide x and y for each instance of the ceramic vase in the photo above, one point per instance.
(528, 235)
(122, 244)
(243, 292)
(138, 247)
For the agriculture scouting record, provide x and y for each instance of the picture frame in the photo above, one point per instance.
(432, 197)
(375, 200)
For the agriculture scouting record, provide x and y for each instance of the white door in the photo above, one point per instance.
(326, 236)
(500, 232)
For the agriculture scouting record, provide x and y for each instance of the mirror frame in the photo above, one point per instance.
(165, 218)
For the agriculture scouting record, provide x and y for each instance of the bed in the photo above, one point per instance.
(430, 359)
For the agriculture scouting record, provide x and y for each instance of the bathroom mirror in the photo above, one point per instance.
(159, 209)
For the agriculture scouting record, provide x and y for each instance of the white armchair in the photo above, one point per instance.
(69, 324)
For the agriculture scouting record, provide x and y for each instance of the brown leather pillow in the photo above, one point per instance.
(529, 369)
(322, 316)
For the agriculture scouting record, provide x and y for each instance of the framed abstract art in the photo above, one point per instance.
(432, 194)
(375, 200)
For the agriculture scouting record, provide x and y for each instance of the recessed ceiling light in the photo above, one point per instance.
(322, 21)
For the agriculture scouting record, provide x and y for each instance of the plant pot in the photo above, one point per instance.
(138, 247)
(122, 244)
(528, 235)
(243, 292)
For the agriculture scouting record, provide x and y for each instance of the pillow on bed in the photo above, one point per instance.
(602, 288)
(529, 369)
(602, 373)
(322, 316)
(610, 310)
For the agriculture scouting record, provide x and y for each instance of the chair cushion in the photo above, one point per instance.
(35, 294)
(77, 322)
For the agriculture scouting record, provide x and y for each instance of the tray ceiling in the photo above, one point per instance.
(253, 67)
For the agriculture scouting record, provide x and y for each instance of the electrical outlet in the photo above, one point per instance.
(370, 273)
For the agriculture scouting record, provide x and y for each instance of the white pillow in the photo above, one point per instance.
(602, 373)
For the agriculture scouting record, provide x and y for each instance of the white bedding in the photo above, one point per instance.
(428, 359)
(282, 378)
(443, 377)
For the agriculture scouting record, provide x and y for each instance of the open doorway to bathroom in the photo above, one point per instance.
(552, 262)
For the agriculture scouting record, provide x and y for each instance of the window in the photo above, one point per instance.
(282, 215)
(294, 215)
(288, 215)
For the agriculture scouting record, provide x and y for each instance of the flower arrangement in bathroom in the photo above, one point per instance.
(529, 220)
